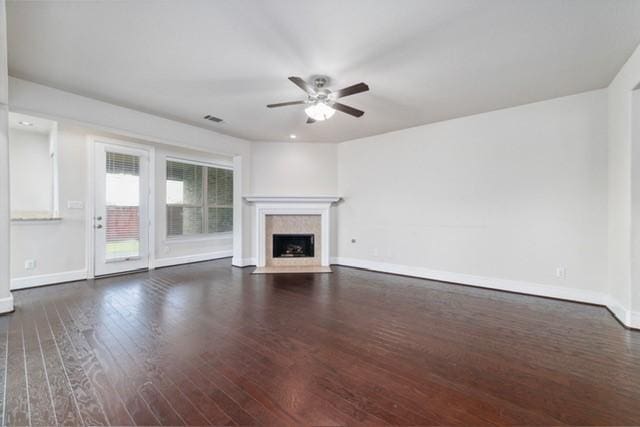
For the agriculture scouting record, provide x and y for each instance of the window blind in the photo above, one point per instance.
(219, 200)
(199, 199)
(122, 206)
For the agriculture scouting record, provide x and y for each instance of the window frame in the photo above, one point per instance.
(204, 235)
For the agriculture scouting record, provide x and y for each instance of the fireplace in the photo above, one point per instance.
(296, 217)
(293, 246)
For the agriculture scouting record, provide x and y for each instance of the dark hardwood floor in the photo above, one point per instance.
(210, 344)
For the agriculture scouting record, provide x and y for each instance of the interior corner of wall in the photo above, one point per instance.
(6, 304)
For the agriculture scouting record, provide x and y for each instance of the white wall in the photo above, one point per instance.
(624, 192)
(32, 98)
(508, 195)
(79, 116)
(41, 241)
(31, 171)
(6, 299)
(293, 168)
(635, 134)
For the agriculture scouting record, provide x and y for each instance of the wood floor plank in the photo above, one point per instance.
(17, 393)
(40, 397)
(346, 344)
(316, 401)
(210, 344)
(236, 356)
(227, 406)
(64, 403)
(115, 360)
(89, 405)
(253, 406)
(95, 369)
(4, 322)
(160, 384)
(476, 421)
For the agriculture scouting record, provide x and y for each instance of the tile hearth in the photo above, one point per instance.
(292, 269)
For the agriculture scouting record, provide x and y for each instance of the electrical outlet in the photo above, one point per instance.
(561, 272)
(30, 264)
(376, 252)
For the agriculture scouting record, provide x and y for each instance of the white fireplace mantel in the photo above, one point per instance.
(292, 205)
(292, 199)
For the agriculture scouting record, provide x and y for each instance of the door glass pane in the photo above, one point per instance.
(122, 220)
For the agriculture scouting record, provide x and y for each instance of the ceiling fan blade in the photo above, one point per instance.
(351, 90)
(303, 85)
(284, 104)
(346, 109)
(310, 120)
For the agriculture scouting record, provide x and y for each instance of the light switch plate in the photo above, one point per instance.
(75, 204)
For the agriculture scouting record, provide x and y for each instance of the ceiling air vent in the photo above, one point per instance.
(213, 118)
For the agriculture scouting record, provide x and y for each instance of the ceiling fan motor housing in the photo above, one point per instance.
(320, 81)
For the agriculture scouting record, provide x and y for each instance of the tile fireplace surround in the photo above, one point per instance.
(292, 215)
(293, 224)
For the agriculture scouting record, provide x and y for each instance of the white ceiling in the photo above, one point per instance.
(425, 60)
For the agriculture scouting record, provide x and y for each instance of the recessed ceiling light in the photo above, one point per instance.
(24, 123)
(292, 136)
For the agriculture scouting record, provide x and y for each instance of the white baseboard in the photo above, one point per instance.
(627, 317)
(72, 276)
(243, 262)
(166, 262)
(6, 304)
(617, 309)
(634, 319)
(47, 279)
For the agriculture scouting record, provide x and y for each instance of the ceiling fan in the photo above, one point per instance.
(321, 102)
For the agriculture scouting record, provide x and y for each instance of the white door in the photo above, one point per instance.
(121, 209)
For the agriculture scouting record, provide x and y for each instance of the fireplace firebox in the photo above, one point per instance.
(293, 245)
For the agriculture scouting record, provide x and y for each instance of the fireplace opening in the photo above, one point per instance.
(293, 245)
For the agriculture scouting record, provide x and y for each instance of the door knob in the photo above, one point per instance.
(99, 226)
(98, 218)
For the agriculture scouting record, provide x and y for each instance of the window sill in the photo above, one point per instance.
(199, 238)
(27, 220)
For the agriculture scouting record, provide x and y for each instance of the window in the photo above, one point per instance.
(199, 199)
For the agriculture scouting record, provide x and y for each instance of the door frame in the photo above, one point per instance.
(90, 199)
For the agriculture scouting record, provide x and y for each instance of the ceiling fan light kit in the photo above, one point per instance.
(319, 111)
(321, 102)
